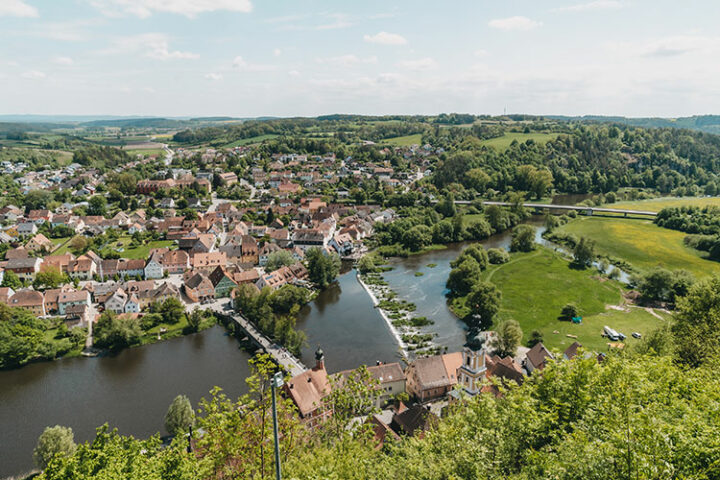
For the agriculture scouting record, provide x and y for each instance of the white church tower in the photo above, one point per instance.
(472, 372)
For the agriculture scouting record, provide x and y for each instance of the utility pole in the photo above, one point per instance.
(277, 382)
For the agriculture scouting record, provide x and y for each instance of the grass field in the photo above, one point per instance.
(657, 204)
(248, 141)
(147, 152)
(641, 243)
(502, 143)
(536, 285)
(140, 252)
(405, 141)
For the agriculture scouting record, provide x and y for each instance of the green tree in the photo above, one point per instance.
(277, 259)
(417, 237)
(462, 278)
(10, 279)
(366, 264)
(194, 320)
(584, 252)
(569, 311)
(97, 205)
(322, 269)
(180, 415)
(52, 442)
(507, 338)
(697, 321)
(497, 256)
(116, 332)
(484, 302)
(446, 207)
(49, 278)
(172, 310)
(523, 239)
(536, 337)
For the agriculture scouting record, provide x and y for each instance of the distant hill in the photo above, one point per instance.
(703, 123)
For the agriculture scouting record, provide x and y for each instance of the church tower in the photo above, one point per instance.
(472, 372)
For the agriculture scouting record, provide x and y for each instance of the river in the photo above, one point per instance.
(132, 390)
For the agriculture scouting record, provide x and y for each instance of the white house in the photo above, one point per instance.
(153, 268)
(72, 298)
(116, 302)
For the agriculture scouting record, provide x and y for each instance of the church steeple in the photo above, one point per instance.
(472, 371)
(319, 359)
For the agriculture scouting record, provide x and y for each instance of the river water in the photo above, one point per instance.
(131, 391)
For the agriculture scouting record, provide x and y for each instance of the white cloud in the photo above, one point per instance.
(294, 73)
(596, 5)
(151, 45)
(277, 52)
(426, 63)
(34, 75)
(63, 61)
(244, 66)
(214, 76)
(672, 46)
(17, 8)
(188, 8)
(481, 52)
(346, 60)
(385, 38)
(514, 23)
(339, 20)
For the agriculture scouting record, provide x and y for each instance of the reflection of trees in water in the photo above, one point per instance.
(124, 361)
(327, 297)
(197, 341)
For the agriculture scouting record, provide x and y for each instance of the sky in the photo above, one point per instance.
(250, 58)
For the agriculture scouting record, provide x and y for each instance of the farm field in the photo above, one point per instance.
(404, 141)
(502, 143)
(536, 285)
(642, 244)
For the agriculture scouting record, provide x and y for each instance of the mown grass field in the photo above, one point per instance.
(139, 252)
(657, 204)
(536, 285)
(641, 243)
(502, 143)
(404, 141)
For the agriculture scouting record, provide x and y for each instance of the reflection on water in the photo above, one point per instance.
(130, 391)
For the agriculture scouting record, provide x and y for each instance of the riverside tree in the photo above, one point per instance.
(584, 252)
(180, 415)
(322, 269)
(523, 239)
(484, 302)
(53, 441)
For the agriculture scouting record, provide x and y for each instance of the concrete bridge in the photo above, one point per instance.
(283, 358)
(579, 208)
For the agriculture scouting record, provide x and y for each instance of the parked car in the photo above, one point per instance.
(637, 335)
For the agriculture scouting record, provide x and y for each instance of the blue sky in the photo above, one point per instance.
(304, 57)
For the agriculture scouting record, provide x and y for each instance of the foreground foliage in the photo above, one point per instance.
(629, 417)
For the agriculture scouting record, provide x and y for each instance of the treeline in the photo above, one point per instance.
(101, 156)
(690, 219)
(588, 159)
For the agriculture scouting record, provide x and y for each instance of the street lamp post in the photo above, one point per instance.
(277, 382)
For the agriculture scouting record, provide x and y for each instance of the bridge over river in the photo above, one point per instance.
(579, 208)
(284, 358)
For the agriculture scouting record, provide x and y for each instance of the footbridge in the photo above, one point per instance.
(283, 358)
(578, 208)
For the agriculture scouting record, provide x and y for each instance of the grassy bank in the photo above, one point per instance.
(641, 243)
(536, 285)
(404, 141)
